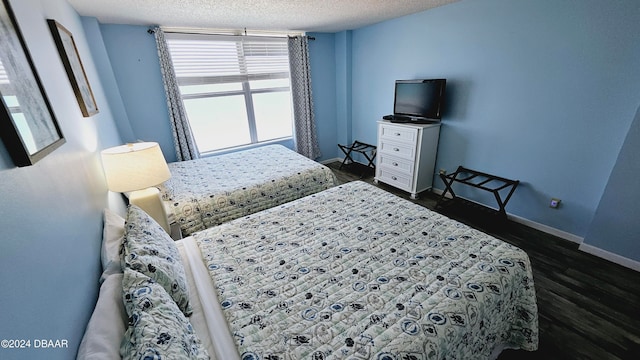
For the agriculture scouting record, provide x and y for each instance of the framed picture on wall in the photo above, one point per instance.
(73, 65)
(28, 126)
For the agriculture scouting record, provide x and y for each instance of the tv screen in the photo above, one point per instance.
(419, 99)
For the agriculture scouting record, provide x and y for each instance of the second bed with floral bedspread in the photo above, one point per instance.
(209, 191)
(355, 272)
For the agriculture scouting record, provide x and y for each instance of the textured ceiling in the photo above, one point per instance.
(272, 15)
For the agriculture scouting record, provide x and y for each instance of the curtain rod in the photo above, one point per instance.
(229, 33)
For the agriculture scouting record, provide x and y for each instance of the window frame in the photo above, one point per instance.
(244, 79)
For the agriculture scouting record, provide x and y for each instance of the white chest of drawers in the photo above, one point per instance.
(406, 155)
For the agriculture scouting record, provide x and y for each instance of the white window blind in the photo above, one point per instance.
(235, 89)
(4, 78)
(214, 59)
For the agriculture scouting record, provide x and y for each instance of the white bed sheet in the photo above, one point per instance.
(207, 319)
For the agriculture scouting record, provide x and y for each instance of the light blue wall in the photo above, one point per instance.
(51, 212)
(541, 91)
(134, 62)
(343, 87)
(322, 57)
(107, 77)
(615, 227)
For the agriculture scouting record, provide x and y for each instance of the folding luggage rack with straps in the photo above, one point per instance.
(367, 150)
(479, 180)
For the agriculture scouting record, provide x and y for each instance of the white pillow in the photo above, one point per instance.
(108, 323)
(112, 236)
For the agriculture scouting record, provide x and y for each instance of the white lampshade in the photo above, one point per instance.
(134, 166)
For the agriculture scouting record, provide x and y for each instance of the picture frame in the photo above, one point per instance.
(73, 65)
(28, 125)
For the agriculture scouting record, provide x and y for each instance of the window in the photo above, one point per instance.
(235, 89)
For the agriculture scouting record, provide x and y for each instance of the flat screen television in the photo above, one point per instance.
(417, 100)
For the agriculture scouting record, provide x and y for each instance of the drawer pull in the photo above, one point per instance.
(397, 134)
(394, 178)
(396, 149)
(395, 164)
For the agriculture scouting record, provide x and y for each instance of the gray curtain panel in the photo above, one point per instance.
(306, 138)
(186, 148)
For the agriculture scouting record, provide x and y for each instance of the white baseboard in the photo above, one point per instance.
(440, 191)
(329, 161)
(604, 254)
(532, 224)
(547, 229)
(596, 251)
(615, 258)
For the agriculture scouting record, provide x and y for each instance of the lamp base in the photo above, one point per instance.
(149, 200)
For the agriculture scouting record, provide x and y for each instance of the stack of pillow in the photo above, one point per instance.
(143, 307)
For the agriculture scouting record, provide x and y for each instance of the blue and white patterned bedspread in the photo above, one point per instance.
(210, 191)
(356, 272)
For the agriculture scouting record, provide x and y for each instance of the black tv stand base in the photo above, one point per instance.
(399, 119)
(415, 121)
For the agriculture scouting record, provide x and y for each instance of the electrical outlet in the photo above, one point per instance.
(555, 203)
(443, 172)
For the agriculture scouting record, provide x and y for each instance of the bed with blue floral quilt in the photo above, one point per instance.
(209, 191)
(351, 272)
(354, 272)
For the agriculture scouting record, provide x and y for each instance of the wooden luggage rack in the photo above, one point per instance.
(367, 150)
(479, 180)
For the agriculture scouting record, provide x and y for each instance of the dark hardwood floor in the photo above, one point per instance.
(589, 308)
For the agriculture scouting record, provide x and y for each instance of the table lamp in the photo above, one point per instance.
(137, 168)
